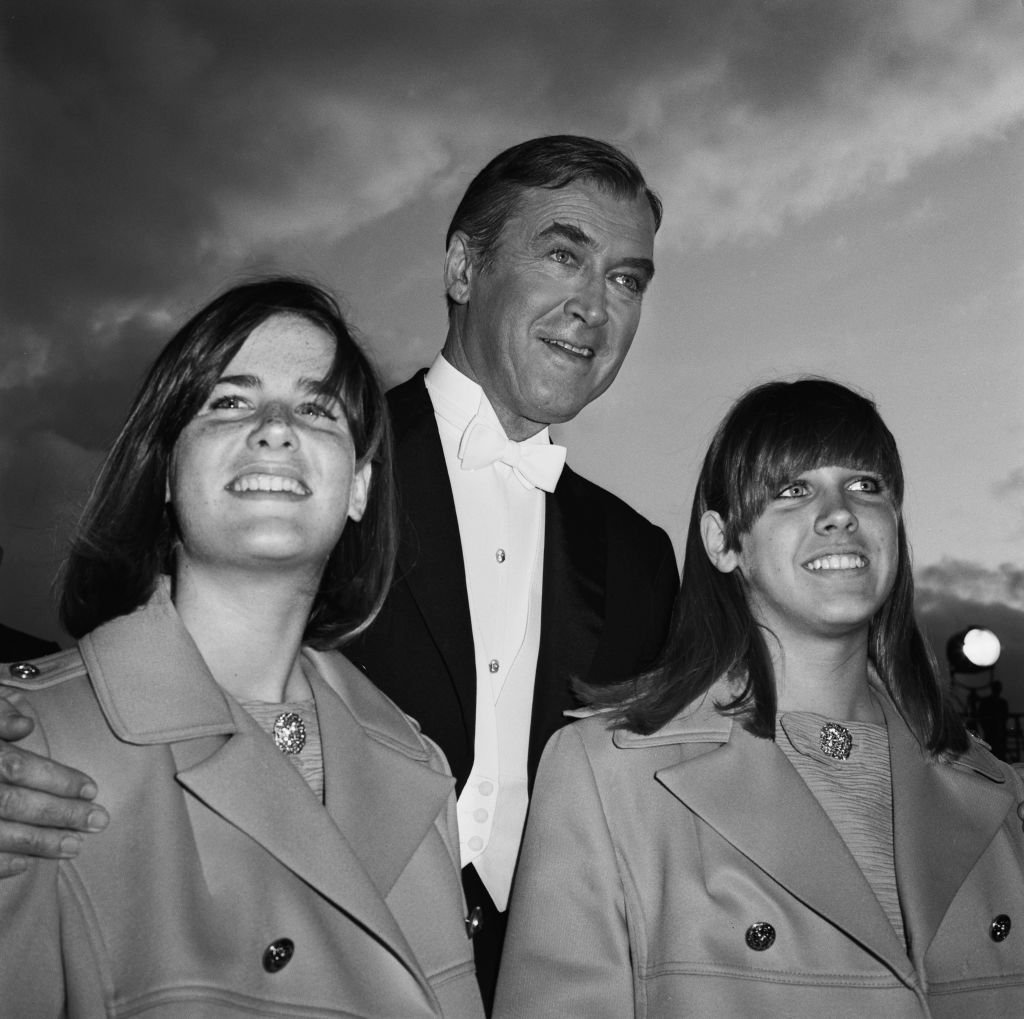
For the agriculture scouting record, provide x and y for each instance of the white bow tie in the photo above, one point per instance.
(535, 464)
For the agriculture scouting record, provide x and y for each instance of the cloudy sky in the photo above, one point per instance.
(842, 181)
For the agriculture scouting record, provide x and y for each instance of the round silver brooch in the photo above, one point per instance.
(835, 740)
(289, 732)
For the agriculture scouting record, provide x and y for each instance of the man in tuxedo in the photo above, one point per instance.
(516, 578)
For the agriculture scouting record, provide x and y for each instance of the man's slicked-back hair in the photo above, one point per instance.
(552, 162)
(127, 535)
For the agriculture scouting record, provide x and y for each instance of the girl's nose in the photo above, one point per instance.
(274, 429)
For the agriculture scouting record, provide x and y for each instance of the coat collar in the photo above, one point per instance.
(382, 796)
(745, 789)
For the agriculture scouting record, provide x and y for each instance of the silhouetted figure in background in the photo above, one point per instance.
(993, 712)
(15, 645)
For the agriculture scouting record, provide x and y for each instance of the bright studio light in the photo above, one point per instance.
(981, 648)
(973, 650)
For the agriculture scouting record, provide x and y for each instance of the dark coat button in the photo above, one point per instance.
(1000, 929)
(474, 921)
(23, 670)
(760, 936)
(278, 954)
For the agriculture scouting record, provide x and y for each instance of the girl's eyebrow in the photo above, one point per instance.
(243, 381)
(315, 387)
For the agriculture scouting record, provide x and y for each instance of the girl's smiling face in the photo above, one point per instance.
(821, 558)
(266, 470)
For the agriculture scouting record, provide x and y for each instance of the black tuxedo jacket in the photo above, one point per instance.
(609, 581)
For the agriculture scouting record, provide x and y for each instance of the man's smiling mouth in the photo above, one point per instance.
(571, 348)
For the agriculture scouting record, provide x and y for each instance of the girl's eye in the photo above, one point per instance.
(317, 410)
(867, 484)
(794, 491)
(229, 401)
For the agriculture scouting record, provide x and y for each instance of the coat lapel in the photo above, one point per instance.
(391, 809)
(572, 612)
(224, 759)
(958, 806)
(748, 792)
(430, 550)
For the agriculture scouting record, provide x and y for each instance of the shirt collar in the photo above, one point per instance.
(457, 399)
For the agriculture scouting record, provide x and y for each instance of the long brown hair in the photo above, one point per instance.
(126, 535)
(774, 432)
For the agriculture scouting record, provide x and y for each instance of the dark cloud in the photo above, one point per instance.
(153, 150)
(955, 578)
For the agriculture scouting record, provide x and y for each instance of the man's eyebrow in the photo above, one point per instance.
(644, 265)
(568, 232)
(575, 235)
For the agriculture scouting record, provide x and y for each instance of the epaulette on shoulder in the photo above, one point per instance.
(38, 673)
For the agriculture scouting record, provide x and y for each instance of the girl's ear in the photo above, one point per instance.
(712, 532)
(359, 492)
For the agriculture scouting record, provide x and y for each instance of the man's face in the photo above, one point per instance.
(545, 327)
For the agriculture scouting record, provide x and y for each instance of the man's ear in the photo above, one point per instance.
(712, 533)
(458, 268)
(359, 491)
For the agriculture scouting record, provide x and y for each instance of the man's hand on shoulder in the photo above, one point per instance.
(43, 805)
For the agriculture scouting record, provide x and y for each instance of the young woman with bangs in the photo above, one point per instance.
(785, 817)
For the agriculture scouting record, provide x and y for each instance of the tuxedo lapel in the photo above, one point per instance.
(944, 817)
(430, 549)
(573, 599)
(750, 794)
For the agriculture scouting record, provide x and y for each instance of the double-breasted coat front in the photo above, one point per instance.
(692, 873)
(222, 886)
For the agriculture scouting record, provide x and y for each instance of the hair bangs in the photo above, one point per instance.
(781, 430)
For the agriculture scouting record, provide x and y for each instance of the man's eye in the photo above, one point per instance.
(561, 256)
(632, 283)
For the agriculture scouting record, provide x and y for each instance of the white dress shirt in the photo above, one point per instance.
(501, 527)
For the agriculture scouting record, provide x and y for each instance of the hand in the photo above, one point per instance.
(43, 805)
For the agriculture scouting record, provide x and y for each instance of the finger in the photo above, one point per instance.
(23, 768)
(21, 841)
(11, 865)
(34, 809)
(13, 724)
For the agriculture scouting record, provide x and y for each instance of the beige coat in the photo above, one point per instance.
(217, 850)
(647, 860)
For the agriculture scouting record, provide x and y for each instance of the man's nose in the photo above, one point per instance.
(589, 303)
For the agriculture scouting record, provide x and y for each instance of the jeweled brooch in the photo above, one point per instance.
(289, 732)
(835, 740)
